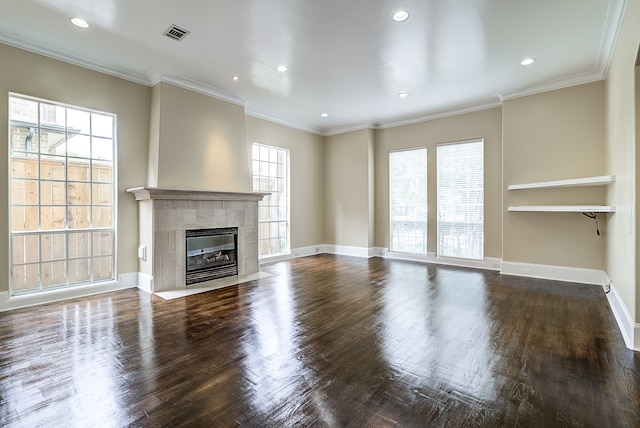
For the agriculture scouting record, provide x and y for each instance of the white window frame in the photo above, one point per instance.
(460, 214)
(407, 219)
(98, 257)
(271, 175)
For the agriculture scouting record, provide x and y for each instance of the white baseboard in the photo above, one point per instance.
(145, 282)
(293, 254)
(368, 252)
(346, 250)
(8, 302)
(630, 330)
(129, 279)
(378, 252)
(490, 263)
(343, 250)
(556, 273)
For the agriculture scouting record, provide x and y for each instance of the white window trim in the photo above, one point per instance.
(426, 246)
(287, 249)
(438, 252)
(68, 287)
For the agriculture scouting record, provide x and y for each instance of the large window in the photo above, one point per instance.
(62, 195)
(408, 200)
(271, 175)
(461, 199)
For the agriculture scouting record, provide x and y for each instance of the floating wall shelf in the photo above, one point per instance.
(602, 180)
(598, 181)
(564, 208)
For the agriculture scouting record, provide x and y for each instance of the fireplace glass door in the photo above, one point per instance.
(211, 254)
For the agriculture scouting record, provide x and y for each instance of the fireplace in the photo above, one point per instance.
(211, 254)
(166, 215)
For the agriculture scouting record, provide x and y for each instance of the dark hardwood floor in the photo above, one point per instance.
(327, 341)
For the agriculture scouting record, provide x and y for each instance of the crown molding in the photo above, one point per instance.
(338, 131)
(553, 85)
(70, 58)
(150, 79)
(157, 77)
(283, 122)
(613, 24)
(470, 108)
(322, 133)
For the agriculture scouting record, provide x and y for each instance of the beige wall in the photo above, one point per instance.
(202, 142)
(306, 155)
(482, 124)
(371, 148)
(154, 136)
(551, 136)
(621, 160)
(349, 189)
(30, 74)
(145, 225)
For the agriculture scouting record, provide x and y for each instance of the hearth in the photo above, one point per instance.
(211, 254)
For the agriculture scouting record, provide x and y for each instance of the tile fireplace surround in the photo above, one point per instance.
(165, 215)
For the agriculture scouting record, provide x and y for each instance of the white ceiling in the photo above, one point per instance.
(345, 58)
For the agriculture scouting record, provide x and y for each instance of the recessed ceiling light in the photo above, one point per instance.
(79, 22)
(324, 115)
(282, 68)
(527, 61)
(403, 94)
(236, 77)
(400, 16)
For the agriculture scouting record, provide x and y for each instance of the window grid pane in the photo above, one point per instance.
(461, 200)
(61, 177)
(408, 200)
(270, 175)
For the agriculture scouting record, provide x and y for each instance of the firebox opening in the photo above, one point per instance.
(211, 254)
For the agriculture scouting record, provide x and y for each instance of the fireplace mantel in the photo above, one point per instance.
(144, 193)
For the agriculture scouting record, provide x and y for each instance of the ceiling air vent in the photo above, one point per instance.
(176, 33)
